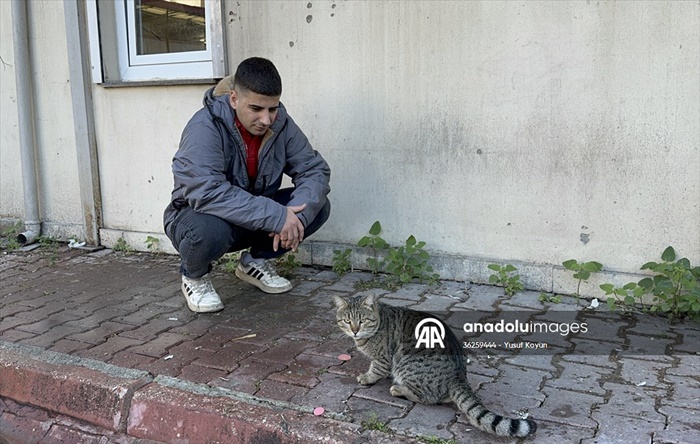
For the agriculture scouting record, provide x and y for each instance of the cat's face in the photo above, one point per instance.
(357, 317)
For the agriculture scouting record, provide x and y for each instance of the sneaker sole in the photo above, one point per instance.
(198, 308)
(267, 289)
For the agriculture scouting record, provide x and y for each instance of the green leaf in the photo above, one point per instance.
(494, 267)
(649, 266)
(375, 229)
(411, 241)
(592, 266)
(569, 265)
(510, 268)
(493, 279)
(629, 300)
(684, 262)
(646, 283)
(363, 242)
(612, 304)
(669, 255)
(620, 292)
(607, 288)
(630, 286)
(583, 274)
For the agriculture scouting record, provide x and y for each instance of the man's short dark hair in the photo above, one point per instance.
(258, 75)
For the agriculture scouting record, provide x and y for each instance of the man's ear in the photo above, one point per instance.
(233, 99)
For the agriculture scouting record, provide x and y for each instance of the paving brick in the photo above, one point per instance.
(68, 346)
(566, 407)
(581, 378)
(15, 335)
(481, 298)
(622, 429)
(547, 433)
(15, 429)
(686, 365)
(379, 392)
(202, 375)
(427, 420)
(279, 391)
(328, 391)
(100, 334)
(46, 340)
(96, 317)
(633, 401)
(367, 411)
(228, 358)
(434, 303)
(105, 351)
(285, 350)
(159, 346)
(685, 391)
(643, 372)
(66, 435)
(249, 374)
(10, 322)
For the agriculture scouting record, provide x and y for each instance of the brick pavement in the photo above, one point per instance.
(100, 347)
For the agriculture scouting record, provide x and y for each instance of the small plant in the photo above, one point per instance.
(341, 261)
(551, 298)
(11, 233)
(121, 245)
(49, 248)
(373, 423)
(410, 262)
(504, 278)
(377, 244)
(287, 264)
(675, 288)
(582, 271)
(435, 440)
(230, 261)
(623, 298)
(153, 244)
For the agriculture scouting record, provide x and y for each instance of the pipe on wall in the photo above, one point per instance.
(25, 110)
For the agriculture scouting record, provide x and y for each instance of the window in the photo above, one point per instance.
(145, 40)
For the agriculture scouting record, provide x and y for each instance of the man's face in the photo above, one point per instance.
(255, 111)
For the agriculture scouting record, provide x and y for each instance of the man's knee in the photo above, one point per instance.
(320, 219)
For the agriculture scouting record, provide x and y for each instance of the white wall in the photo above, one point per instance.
(518, 131)
(510, 130)
(56, 159)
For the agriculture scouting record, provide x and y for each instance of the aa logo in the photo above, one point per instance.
(430, 332)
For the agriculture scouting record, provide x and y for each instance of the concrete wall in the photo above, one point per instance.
(526, 131)
(56, 158)
(530, 132)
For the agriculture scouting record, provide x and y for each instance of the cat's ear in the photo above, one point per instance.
(369, 301)
(340, 303)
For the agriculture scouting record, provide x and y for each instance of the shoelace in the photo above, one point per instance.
(269, 269)
(204, 286)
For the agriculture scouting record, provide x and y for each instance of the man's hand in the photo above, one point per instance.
(292, 232)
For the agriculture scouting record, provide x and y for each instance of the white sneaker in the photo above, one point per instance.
(200, 295)
(264, 276)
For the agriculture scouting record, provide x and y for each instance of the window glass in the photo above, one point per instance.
(168, 26)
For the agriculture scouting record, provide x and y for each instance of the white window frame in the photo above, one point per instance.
(132, 67)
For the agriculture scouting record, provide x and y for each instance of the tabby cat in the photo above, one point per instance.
(386, 335)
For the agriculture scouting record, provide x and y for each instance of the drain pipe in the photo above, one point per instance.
(27, 140)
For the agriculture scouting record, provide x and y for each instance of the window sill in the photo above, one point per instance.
(163, 82)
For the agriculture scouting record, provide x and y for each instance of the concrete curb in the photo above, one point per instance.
(160, 409)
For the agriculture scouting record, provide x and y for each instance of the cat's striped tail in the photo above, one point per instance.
(481, 418)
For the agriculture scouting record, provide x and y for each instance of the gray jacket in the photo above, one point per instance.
(211, 177)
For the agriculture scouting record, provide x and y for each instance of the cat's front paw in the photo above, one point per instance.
(367, 379)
